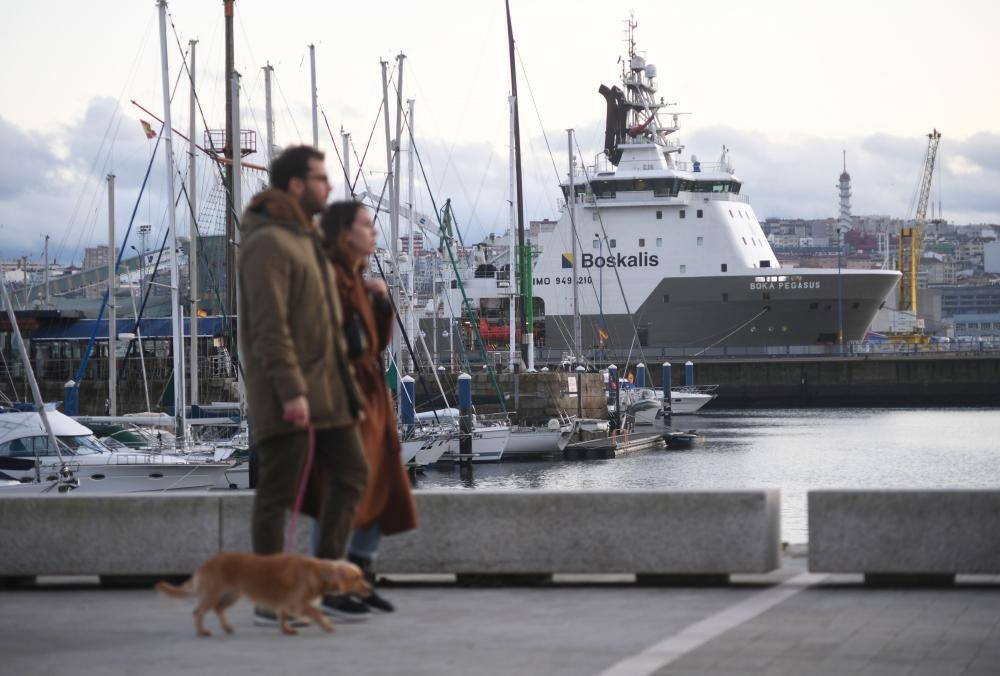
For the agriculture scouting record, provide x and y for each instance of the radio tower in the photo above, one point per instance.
(844, 221)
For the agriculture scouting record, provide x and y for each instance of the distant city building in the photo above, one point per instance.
(95, 257)
(991, 257)
(418, 243)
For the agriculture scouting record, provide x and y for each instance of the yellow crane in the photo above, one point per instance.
(911, 239)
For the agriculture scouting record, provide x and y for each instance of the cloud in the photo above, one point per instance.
(28, 162)
(54, 183)
(797, 176)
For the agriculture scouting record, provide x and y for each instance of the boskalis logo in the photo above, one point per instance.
(639, 260)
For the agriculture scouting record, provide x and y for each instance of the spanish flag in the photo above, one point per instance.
(148, 129)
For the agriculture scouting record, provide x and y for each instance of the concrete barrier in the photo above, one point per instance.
(904, 535)
(652, 533)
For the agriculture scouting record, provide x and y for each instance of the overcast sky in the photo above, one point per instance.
(786, 85)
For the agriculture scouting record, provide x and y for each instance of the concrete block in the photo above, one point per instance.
(133, 534)
(519, 533)
(234, 525)
(665, 532)
(904, 532)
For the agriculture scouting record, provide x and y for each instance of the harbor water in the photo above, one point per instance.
(796, 450)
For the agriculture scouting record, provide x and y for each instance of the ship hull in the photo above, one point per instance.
(739, 311)
(787, 307)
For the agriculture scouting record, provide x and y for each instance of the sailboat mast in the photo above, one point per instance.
(410, 289)
(193, 245)
(345, 140)
(571, 207)
(512, 256)
(397, 342)
(112, 307)
(236, 142)
(524, 258)
(48, 304)
(393, 246)
(229, 246)
(268, 116)
(175, 300)
(36, 394)
(315, 104)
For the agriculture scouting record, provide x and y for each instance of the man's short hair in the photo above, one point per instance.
(292, 163)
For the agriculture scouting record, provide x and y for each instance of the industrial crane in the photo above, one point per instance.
(911, 239)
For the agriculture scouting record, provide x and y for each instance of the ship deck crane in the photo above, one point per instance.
(911, 239)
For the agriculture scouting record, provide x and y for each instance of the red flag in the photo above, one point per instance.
(148, 129)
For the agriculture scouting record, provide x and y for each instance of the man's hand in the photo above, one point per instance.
(377, 286)
(296, 411)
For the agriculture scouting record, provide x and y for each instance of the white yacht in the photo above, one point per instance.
(670, 250)
(27, 457)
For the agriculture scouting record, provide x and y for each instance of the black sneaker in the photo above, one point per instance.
(263, 617)
(344, 608)
(376, 601)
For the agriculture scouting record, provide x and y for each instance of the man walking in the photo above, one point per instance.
(298, 377)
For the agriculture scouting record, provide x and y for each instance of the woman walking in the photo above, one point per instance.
(387, 506)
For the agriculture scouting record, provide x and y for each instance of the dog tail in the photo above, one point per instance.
(183, 591)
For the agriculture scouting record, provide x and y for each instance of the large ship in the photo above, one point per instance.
(669, 252)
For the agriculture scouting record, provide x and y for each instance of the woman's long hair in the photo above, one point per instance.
(337, 218)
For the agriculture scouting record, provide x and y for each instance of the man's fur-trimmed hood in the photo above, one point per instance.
(276, 207)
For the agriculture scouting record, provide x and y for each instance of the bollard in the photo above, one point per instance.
(640, 375)
(407, 408)
(688, 373)
(579, 392)
(71, 396)
(465, 417)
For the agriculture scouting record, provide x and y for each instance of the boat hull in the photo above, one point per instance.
(740, 311)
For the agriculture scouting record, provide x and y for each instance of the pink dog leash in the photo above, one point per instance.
(300, 496)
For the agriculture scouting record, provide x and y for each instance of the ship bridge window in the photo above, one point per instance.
(581, 189)
(710, 186)
(485, 270)
(603, 189)
(765, 264)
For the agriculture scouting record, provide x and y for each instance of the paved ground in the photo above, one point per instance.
(783, 624)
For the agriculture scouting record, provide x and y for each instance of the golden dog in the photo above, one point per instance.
(288, 584)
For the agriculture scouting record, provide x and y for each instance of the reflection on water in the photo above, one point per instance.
(794, 450)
